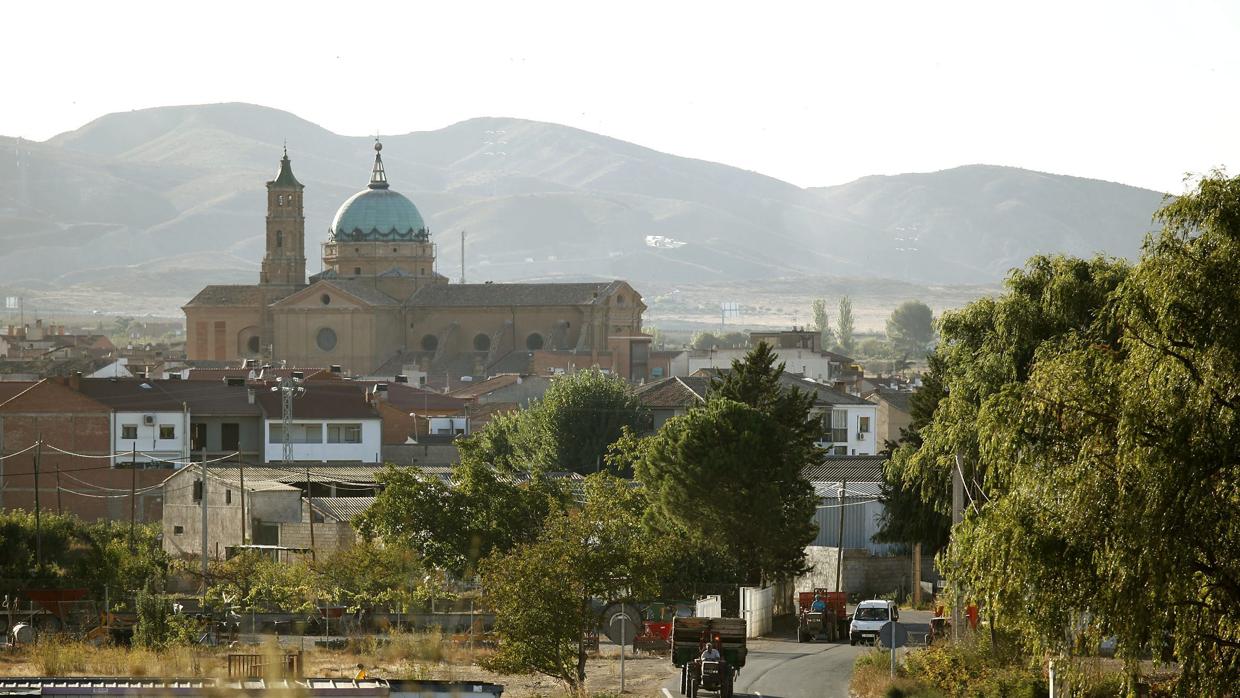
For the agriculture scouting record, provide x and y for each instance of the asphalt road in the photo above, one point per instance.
(780, 667)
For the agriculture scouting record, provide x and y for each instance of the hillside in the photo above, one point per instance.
(140, 194)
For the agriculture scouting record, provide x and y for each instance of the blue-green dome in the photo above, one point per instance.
(378, 214)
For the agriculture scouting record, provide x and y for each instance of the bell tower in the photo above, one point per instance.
(284, 264)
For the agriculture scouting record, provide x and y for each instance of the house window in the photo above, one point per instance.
(167, 432)
(839, 427)
(656, 372)
(840, 451)
(298, 434)
(228, 496)
(129, 431)
(344, 433)
(178, 530)
(197, 491)
(863, 425)
(357, 271)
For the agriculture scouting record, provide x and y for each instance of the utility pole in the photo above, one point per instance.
(241, 465)
(310, 506)
(839, 550)
(203, 502)
(38, 517)
(59, 510)
(133, 494)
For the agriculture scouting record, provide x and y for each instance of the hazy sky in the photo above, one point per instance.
(815, 93)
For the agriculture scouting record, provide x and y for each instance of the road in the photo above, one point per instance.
(780, 667)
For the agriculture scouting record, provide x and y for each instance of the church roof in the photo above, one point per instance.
(378, 214)
(285, 178)
(480, 295)
(362, 291)
(228, 295)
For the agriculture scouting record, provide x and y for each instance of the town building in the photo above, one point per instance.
(894, 414)
(380, 308)
(848, 422)
(672, 397)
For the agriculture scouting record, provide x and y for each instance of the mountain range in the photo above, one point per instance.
(157, 202)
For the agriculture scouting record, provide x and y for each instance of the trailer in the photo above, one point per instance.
(690, 637)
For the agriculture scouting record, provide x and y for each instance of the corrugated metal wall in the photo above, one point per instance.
(861, 520)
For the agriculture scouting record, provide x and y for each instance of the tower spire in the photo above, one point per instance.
(378, 178)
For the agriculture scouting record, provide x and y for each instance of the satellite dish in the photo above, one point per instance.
(621, 622)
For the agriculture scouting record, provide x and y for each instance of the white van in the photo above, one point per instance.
(869, 619)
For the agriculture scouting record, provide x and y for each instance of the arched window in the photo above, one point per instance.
(481, 342)
(534, 341)
(430, 342)
(280, 200)
(279, 238)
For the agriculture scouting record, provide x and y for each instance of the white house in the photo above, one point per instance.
(148, 424)
(332, 421)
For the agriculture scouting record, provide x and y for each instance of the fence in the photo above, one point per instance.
(710, 607)
(757, 608)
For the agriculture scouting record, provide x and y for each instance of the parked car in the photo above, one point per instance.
(869, 618)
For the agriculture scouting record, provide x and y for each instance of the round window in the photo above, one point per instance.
(326, 339)
(430, 343)
(534, 341)
(252, 344)
(325, 299)
(481, 342)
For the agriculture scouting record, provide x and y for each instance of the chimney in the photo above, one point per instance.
(335, 369)
(142, 375)
(298, 375)
(381, 391)
(250, 363)
(75, 380)
(402, 378)
(249, 394)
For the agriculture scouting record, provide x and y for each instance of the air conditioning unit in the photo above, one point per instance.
(861, 436)
(148, 419)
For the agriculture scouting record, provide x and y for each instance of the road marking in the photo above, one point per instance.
(667, 693)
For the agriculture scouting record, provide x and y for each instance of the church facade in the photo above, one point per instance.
(379, 307)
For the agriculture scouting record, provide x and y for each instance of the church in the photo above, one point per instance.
(380, 308)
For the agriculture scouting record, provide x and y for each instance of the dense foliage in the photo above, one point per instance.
(844, 326)
(729, 475)
(911, 329)
(569, 429)
(543, 592)
(80, 554)
(1094, 411)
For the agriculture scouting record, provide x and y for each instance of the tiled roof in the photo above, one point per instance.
(853, 469)
(823, 393)
(897, 398)
(321, 400)
(228, 295)
(221, 374)
(362, 291)
(11, 389)
(409, 397)
(471, 390)
(485, 295)
(673, 392)
(140, 394)
(343, 508)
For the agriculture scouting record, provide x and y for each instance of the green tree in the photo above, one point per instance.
(544, 592)
(454, 525)
(845, 326)
(570, 428)
(705, 340)
(728, 475)
(822, 322)
(1118, 456)
(911, 329)
(580, 416)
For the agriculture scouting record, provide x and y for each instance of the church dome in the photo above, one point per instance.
(378, 214)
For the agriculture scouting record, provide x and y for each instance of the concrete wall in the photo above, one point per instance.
(250, 431)
(180, 511)
(864, 574)
(428, 454)
(148, 439)
(365, 452)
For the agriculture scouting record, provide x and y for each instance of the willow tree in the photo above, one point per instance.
(1117, 463)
